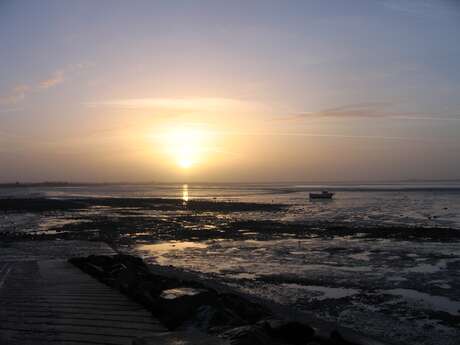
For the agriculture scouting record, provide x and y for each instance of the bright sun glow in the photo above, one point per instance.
(186, 146)
(185, 157)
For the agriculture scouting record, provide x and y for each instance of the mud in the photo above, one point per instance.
(392, 282)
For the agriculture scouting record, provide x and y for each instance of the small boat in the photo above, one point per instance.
(323, 195)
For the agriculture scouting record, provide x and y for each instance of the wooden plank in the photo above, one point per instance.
(52, 302)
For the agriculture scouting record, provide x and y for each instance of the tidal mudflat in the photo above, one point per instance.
(361, 284)
(398, 283)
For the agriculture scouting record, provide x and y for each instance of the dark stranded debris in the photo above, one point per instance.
(180, 304)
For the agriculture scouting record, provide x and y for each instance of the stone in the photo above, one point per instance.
(126, 281)
(173, 312)
(246, 310)
(291, 332)
(180, 292)
(249, 335)
(337, 339)
(214, 319)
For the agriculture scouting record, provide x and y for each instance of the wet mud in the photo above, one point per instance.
(398, 282)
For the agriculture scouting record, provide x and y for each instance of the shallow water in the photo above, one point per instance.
(438, 303)
(424, 204)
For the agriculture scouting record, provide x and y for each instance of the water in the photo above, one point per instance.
(424, 204)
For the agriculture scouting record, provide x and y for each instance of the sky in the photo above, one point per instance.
(229, 91)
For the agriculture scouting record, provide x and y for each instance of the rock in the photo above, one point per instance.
(126, 281)
(249, 335)
(291, 332)
(132, 262)
(180, 292)
(337, 339)
(100, 260)
(173, 312)
(116, 268)
(215, 320)
(246, 310)
(147, 293)
(95, 270)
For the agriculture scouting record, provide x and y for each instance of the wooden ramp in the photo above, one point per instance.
(52, 302)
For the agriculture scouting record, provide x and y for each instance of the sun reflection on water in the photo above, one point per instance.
(185, 193)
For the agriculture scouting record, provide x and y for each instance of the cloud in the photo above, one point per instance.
(434, 9)
(15, 95)
(371, 110)
(19, 92)
(181, 106)
(9, 110)
(55, 79)
(214, 105)
(330, 135)
(368, 109)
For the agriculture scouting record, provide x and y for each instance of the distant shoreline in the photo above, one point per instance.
(146, 183)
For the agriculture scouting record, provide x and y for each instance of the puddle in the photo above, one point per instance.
(364, 256)
(325, 291)
(245, 276)
(428, 268)
(54, 224)
(336, 266)
(161, 248)
(160, 251)
(396, 279)
(439, 303)
(441, 284)
(180, 292)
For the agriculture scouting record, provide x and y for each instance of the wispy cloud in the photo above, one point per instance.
(281, 133)
(55, 79)
(186, 105)
(20, 92)
(371, 110)
(15, 95)
(9, 110)
(427, 118)
(434, 9)
(368, 109)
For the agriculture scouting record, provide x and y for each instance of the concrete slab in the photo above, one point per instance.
(52, 302)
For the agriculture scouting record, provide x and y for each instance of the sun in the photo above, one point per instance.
(185, 145)
(185, 163)
(185, 157)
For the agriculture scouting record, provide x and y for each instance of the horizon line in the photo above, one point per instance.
(95, 183)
